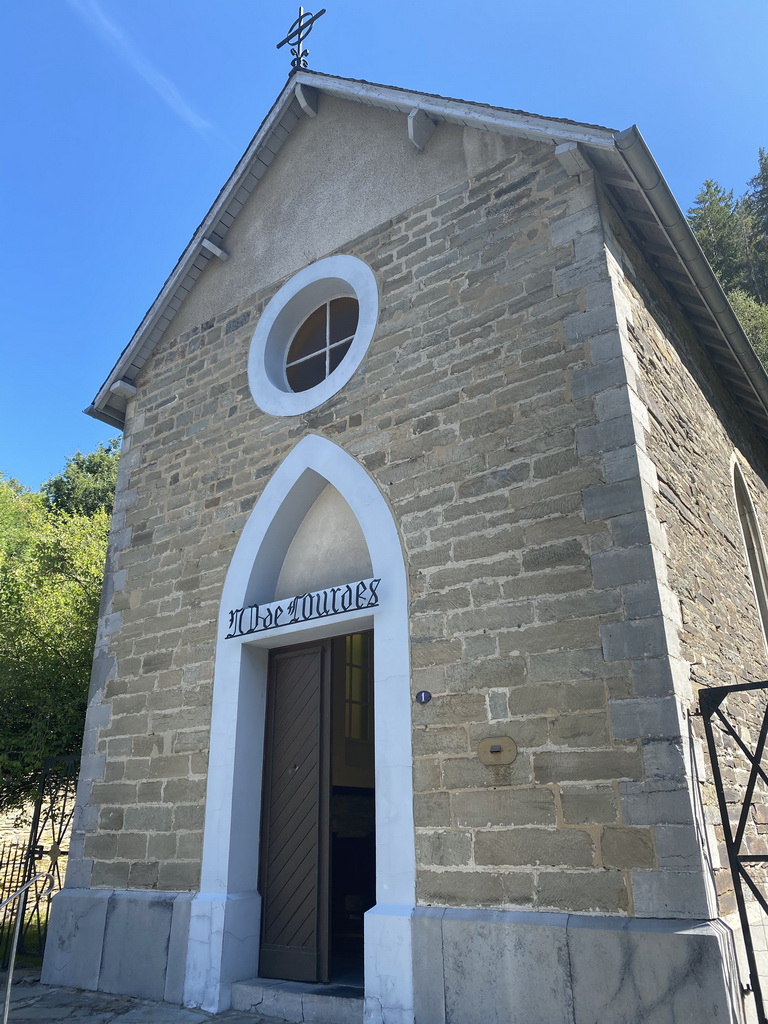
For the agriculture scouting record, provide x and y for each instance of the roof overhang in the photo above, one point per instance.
(622, 161)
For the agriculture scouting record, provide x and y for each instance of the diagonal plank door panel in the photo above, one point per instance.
(294, 860)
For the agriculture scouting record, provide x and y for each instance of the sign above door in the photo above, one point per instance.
(319, 604)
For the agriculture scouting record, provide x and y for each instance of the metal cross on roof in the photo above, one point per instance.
(297, 33)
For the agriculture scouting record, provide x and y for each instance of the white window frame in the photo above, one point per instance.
(334, 277)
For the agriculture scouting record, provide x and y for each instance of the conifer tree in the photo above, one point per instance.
(733, 233)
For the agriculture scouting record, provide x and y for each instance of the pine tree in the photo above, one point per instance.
(733, 234)
(755, 203)
(716, 224)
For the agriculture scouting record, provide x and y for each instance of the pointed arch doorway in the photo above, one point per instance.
(270, 561)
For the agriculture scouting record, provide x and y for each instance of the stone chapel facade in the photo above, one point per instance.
(408, 601)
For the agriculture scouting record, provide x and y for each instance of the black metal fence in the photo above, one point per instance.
(45, 849)
(737, 751)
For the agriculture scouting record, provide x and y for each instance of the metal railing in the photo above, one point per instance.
(18, 895)
(742, 862)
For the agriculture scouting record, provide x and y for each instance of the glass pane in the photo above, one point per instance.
(356, 688)
(310, 337)
(344, 314)
(305, 375)
(357, 722)
(337, 353)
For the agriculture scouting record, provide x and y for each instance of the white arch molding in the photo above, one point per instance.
(225, 914)
(754, 549)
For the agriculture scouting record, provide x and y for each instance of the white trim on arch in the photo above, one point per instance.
(754, 549)
(224, 926)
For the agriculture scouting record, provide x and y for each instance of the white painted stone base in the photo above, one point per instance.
(508, 967)
(223, 947)
(299, 1001)
(132, 943)
(191, 947)
(388, 959)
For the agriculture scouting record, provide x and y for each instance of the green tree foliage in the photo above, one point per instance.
(733, 234)
(52, 551)
(88, 481)
(716, 223)
(754, 319)
(756, 207)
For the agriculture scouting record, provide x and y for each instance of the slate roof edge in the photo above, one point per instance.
(627, 148)
(639, 160)
(96, 408)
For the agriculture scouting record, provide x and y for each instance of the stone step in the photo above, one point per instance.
(297, 1001)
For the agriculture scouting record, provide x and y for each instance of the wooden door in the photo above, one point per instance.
(295, 846)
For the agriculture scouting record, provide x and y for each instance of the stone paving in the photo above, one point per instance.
(33, 1003)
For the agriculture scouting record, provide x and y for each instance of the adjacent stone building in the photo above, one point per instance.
(443, 465)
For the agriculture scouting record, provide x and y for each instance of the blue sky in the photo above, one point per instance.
(123, 118)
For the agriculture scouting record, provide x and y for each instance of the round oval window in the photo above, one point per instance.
(313, 335)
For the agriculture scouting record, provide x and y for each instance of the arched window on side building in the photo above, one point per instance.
(753, 544)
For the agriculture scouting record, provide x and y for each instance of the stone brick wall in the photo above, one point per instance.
(14, 827)
(695, 433)
(478, 411)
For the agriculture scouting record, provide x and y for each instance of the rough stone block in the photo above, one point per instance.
(432, 810)
(635, 638)
(445, 849)
(656, 802)
(605, 437)
(149, 818)
(647, 718)
(187, 816)
(678, 894)
(143, 874)
(504, 807)
(587, 765)
(619, 567)
(131, 845)
(476, 888)
(436, 739)
(573, 225)
(426, 775)
(666, 760)
(179, 874)
(582, 891)
(101, 847)
(498, 704)
(678, 847)
(542, 697)
(617, 499)
(584, 805)
(652, 677)
(572, 634)
(532, 846)
(453, 709)
(110, 874)
(580, 729)
(627, 848)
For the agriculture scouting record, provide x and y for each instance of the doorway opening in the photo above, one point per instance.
(318, 870)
